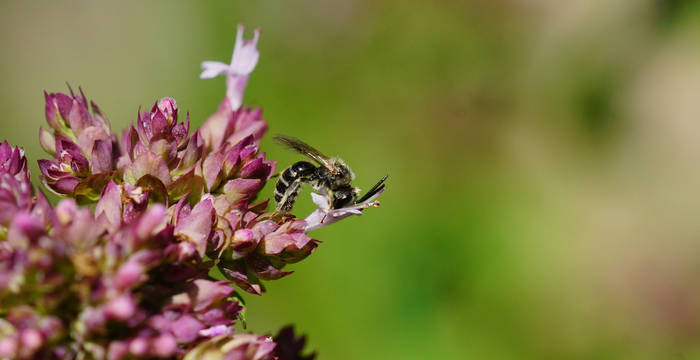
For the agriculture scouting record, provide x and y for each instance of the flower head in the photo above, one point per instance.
(257, 246)
(84, 148)
(159, 153)
(16, 190)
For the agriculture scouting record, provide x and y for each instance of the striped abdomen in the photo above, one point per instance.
(290, 182)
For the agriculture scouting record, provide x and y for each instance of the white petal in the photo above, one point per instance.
(321, 201)
(345, 212)
(212, 69)
(313, 221)
(245, 55)
(239, 42)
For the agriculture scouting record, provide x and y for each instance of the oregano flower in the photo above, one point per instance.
(120, 268)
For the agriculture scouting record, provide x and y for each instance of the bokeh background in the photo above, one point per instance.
(544, 158)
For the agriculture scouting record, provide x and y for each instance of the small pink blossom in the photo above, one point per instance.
(324, 215)
(245, 57)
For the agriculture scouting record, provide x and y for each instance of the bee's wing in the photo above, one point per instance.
(307, 150)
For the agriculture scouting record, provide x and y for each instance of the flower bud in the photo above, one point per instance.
(82, 145)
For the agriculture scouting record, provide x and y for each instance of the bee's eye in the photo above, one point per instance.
(341, 199)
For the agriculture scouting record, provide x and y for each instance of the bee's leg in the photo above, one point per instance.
(285, 201)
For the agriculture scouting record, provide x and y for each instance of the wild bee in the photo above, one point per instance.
(331, 177)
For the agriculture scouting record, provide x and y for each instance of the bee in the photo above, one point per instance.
(332, 177)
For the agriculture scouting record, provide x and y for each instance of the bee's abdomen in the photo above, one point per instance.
(290, 182)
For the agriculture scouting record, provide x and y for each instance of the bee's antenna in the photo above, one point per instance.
(375, 189)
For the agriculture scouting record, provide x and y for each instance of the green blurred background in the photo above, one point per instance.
(544, 159)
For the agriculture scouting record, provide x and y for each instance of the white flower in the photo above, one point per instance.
(324, 215)
(245, 57)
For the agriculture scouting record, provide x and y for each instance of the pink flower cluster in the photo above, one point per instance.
(120, 269)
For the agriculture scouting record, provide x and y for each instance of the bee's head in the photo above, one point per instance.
(344, 196)
(344, 175)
